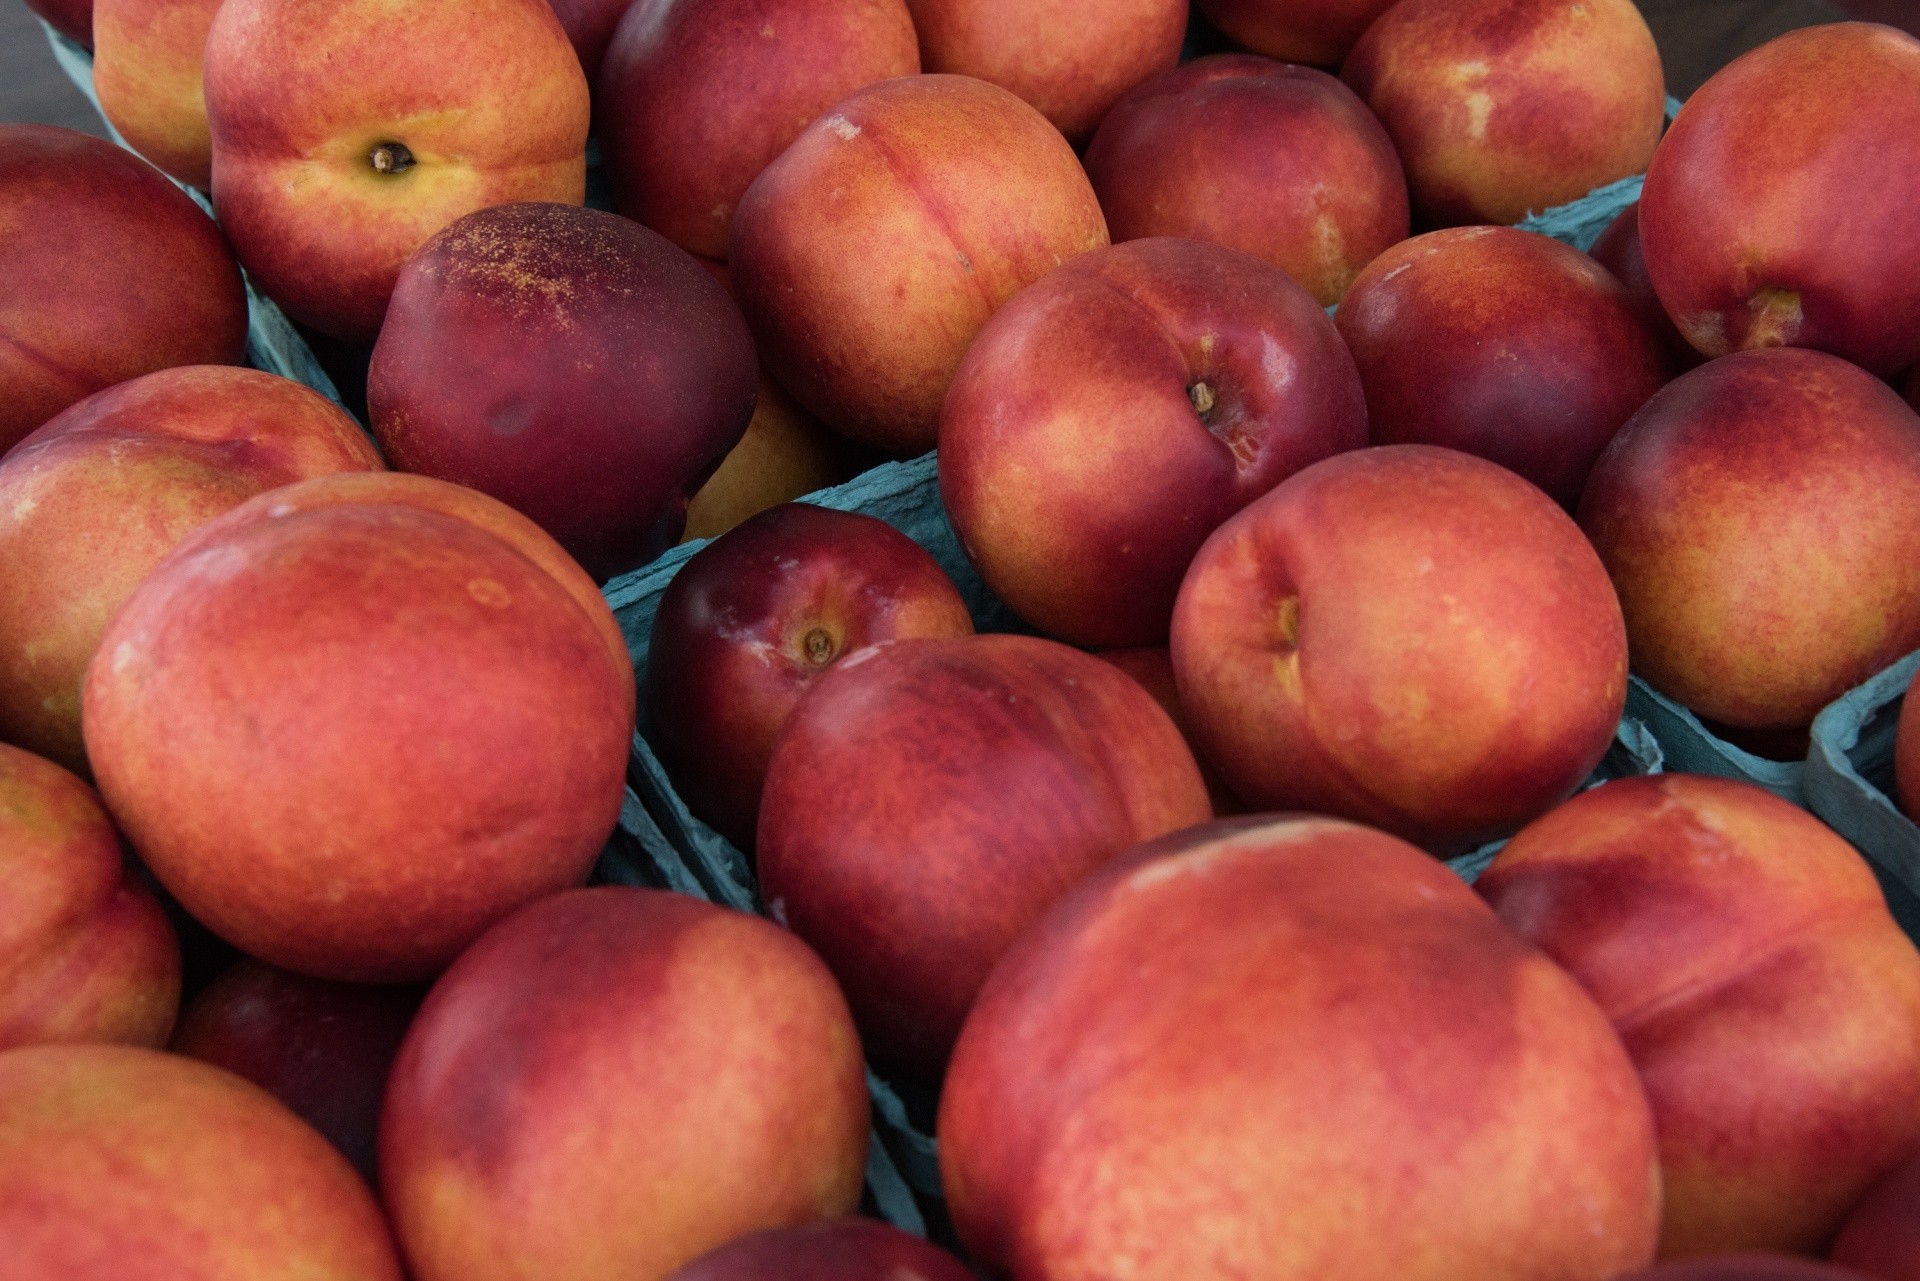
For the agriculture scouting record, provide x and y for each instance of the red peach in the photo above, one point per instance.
(1504, 107)
(589, 25)
(1114, 414)
(929, 799)
(1618, 250)
(86, 954)
(1881, 1237)
(1779, 209)
(1070, 58)
(1407, 636)
(839, 1250)
(97, 497)
(698, 96)
(1151, 667)
(1747, 959)
(613, 1082)
(1293, 1049)
(123, 1164)
(111, 271)
(1320, 32)
(750, 623)
(1761, 520)
(1282, 162)
(1503, 344)
(1746, 1267)
(72, 18)
(786, 454)
(868, 256)
(147, 61)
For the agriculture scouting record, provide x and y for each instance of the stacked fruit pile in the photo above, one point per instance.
(1105, 814)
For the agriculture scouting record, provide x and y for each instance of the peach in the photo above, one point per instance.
(929, 799)
(347, 132)
(1315, 677)
(1504, 344)
(1320, 32)
(1746, 1267)
(1906, 750)
(698, 96)
(147, 61)
(1281, 162)
(1761, 519)
(1772, 1006)
(1114, 414)
(750, 623)
(589, 25)
(1913, 387)
(1294, 1049)
(86, 954)
(1070, 58)
(786, 454)
(72, 18)
(1504, 107)
(869, 255)
(1151, 667)
(97, 497)
(570, 363)
(839, 1250)
(350, 734)
(1779, 208)
(613, 1082)
(1618, 250)
(323, 1049)
(111, 271)
(1881, 1237)
(124, 1164)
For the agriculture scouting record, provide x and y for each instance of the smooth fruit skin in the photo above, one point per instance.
(589, 25)
(305, 99)
(111, 271)
(1151, 667)
(698, 96)
(1783, 206)
(323, 1049)
(1406, 636)
(929, 799)
(839, 1250)
(1906, 750)
(1319, 32)
(1771, 1005)
(785, 454)
(147, 60)
(868, 256)
(1761, 519)
(1114, 414)
(1500, 343)
(123, 1164)
(1239, 1051)
(86, 954)
(750, 623)
(613, 1082)
(99, 495)
(1072, 59)
(1278, 161)
(1881, 1237)
(384, 728)
(1500, 108)
(571, 363)
(1746, 1267)
(1618, 250)
(72, 18)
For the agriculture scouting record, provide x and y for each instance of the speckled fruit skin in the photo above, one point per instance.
(146, 71)
(571, 363)
(1224, 1054)
(1783, 207)
(840, 1250)
(1072, 59)
(323, 1049)
(86, 954)
(698, 96)
(1503, 344)
(1079, 469)
(72, 18)
(1906, 751)
(868, 256)
(1618, 250)
(1746, 1267)
(1315, 678)
(1772, 1006)
(111, 271)
(1761, 520)
(385, 726)
(1319, 32)
(750, 622)
(1881, 1238)
(99, 495)
(1504, 107)
(590, 25)
(613, 1082)
(1278, 161)
(487, 97)
(124, 1164)
(929, 799)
